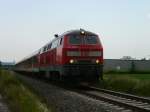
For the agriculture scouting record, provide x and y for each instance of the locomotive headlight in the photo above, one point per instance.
(97, 61)
(82, 32)
(71, 61)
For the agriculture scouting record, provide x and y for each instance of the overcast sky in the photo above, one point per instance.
(123, 25)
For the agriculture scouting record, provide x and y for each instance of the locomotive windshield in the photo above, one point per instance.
(74, 39)
(88, 39)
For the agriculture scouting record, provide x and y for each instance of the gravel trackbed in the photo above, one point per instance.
(68, 101)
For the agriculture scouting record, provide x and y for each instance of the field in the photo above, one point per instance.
(138, 84)
(142, 77)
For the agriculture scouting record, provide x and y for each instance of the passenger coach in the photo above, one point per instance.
(76, 54)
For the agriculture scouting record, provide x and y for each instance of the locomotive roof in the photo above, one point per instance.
(73, 32)
(78, 32)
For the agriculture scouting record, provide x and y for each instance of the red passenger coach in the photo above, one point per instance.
(76, 54)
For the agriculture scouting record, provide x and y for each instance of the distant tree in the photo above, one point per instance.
(127, 58)
(143, 59)
(132, 67)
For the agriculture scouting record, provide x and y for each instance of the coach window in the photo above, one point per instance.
(44, 48)
(40, 51)
(47, 47)
(34, 60)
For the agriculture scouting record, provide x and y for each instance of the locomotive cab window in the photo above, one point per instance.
(87, 39)
(75, 39)
(91, 39)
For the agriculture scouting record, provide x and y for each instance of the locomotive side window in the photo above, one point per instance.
(90, 39)
(49, 46)
(54, 44)
(75, 39)
(60, 41)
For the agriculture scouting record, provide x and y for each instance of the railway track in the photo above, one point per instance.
(126, 101)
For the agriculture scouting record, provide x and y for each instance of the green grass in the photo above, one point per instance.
(141, 77)
(19, 97)
(138, 84)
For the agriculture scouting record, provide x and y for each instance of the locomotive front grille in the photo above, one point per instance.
(84, 61)
(82, 69)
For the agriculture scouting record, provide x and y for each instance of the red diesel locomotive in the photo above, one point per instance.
(76, 54)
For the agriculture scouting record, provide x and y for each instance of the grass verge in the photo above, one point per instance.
(19, 98)
(138, 84)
